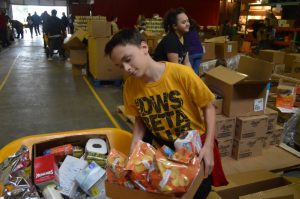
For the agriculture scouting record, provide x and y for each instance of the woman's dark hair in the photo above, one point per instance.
(124, 37)
(170, 18)
(194, 25)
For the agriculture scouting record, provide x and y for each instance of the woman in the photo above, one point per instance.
(193, 42)
(172, 47)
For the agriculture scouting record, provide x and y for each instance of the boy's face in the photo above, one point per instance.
(131, 58)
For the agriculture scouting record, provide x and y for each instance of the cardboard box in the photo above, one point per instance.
(274, 56)
(248, 147)
(99, 28)
(206, 66)
(120, 192)
(78, 57)
(272, 118)
(78, 70)
(253, 126)
(100, 66)
(225, 127)
(208, 51)
(76, 41)
(279, 68)
(289, 60)
(226, 50)
(218, 103)
(276, 136)
(152, 40)
(243, 90)
(296, 66)
(225, 147)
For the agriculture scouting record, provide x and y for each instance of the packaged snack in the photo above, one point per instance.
(189, 140)
(173, 177)
(115, 170)
(77, 151)
(96, 150)
(60, 152)
(139, 165)
(45, 171)
(182, 155)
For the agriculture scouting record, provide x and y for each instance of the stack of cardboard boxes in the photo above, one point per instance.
(245, 126)
(208, 61)
(100, 66)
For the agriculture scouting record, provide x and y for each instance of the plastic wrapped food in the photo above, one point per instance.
(182, 155)
(60, 152)
(15, 182)
(115, 170)
(139, 165)
(189, 140)
(172, 177)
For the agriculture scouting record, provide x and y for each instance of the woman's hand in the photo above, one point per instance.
(207, 155)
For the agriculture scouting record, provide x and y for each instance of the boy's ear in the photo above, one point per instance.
(144, 46)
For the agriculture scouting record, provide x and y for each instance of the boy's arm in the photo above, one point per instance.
(207, 152)
(138, 132)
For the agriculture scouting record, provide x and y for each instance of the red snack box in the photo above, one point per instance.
(45, 171)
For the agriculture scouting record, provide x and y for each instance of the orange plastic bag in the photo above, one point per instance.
(116, 173)
(172, 177)
(139, 164)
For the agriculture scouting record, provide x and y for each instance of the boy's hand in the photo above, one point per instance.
(207, 155)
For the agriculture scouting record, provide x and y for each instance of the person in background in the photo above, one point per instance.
(172, 47)
(114, 25)
(19, 28)
(71, 23)
(195, 48)
(140, 23)
(44, 17)
(30, 24)
(185, 97)
(3, 29)
(227, 29)
(36, 23)
(54, 30)
(65, 22)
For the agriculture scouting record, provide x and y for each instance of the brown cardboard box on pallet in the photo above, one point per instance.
(253, 126)
(272, 118)
(243, 90)
(225, 127)
(100, 66)
(276, 136)
(225, 147)
(99, 28)
(120, 192)
(248, 147)
(289, 60)
(296, 66)
(226, 50)
(274, 56)
(78, 57)
(208, 51)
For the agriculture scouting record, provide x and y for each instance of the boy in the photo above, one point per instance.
(165, 98)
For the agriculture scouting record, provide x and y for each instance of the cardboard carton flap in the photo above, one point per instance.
(226, 75)
(75, 42)
(256, 69)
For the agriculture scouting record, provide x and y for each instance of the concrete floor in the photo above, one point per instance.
(42, 96)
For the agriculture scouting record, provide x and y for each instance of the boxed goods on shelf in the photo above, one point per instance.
(247, 147)
(208, 51)
(226, 50)
(225, 127)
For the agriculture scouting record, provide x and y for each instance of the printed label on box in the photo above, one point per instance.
(258, 105)
(229, 48)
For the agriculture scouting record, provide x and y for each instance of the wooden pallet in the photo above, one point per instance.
(127, 118)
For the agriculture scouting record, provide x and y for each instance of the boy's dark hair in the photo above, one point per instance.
(123, 37)
(170, 19)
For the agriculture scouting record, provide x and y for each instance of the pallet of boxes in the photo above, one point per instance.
(243, 125)
(76, 47)
(100, 66)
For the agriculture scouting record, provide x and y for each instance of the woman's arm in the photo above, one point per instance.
(187, 60)
(138, 132)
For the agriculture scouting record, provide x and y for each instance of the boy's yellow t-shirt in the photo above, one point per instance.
(170, 105)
